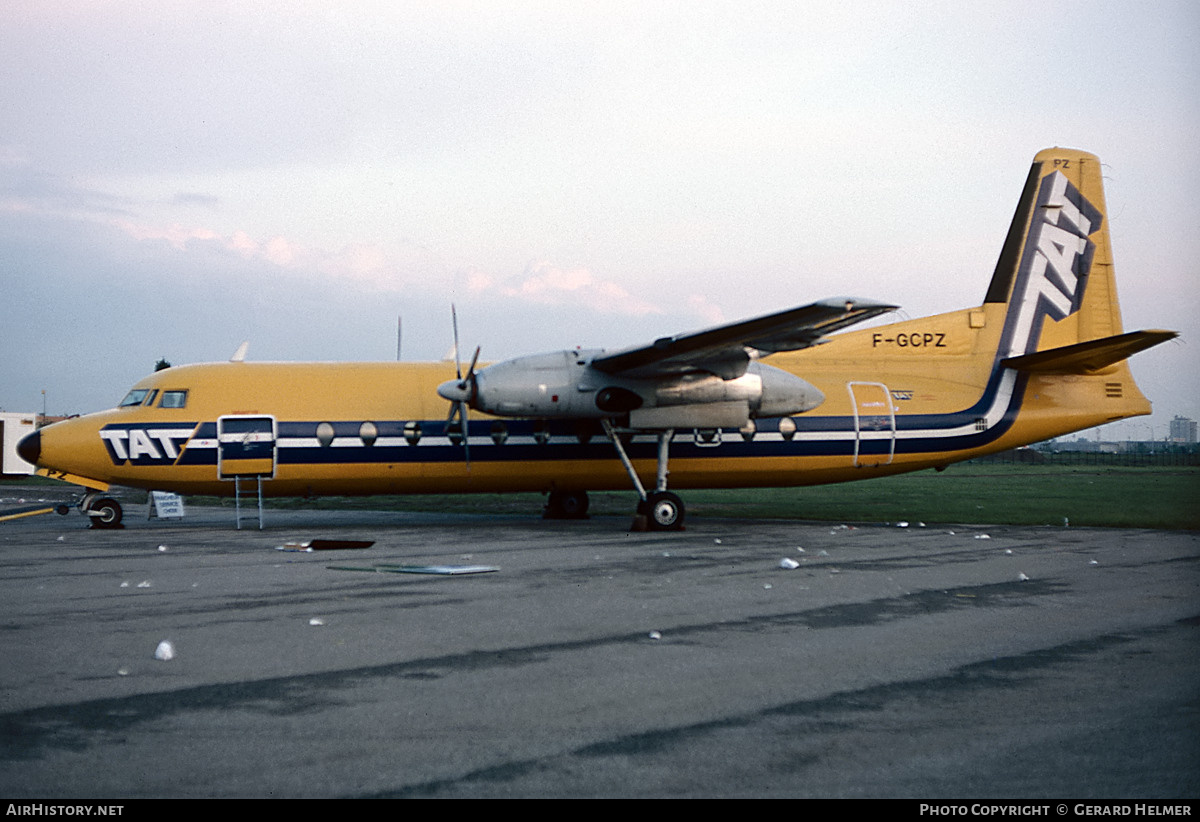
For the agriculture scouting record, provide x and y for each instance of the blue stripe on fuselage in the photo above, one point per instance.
(572, 440)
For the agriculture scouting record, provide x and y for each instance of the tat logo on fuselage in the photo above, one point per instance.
(1054, 264)
(147, 444)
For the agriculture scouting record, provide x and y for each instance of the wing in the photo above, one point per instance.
(726, 350)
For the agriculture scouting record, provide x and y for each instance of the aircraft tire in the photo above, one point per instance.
(105, 513)
(664, 512)
(566, 505)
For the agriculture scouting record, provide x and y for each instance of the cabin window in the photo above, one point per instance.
(134, 397)
(325, 434)
(499, 433)
(585, 430)
(174, 399)
(368, 432)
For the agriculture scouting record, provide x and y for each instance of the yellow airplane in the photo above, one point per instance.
(1043, 355)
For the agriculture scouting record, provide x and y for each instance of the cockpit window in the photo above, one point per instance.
(150, 399)
(173, 399)
(134, 397)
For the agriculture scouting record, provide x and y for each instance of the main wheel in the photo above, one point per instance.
(664, 511)
(566, 505)
(105, 513)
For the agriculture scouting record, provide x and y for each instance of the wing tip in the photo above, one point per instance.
(856, 304)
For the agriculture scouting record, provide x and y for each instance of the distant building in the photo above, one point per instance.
(13, 428)
(1183, 430)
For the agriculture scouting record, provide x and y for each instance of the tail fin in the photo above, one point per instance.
(1056, 273)
(1056, 269)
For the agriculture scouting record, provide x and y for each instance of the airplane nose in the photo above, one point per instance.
(30, 447)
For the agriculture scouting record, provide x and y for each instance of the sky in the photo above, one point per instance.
(178, 177)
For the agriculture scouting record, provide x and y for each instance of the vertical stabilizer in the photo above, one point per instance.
(1056, 271)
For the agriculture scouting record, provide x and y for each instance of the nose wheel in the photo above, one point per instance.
(104, 512)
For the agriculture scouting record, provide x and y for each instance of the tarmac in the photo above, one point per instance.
(508, 656)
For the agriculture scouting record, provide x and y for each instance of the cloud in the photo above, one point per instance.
(545, 283)
(176, 235)
(701, 305)
(364, 263)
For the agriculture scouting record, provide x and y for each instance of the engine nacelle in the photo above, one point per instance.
(564, 385)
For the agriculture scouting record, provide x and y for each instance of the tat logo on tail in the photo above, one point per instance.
(1054, 265)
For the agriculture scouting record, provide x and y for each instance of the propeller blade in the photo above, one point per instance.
(470, 379)
(462, 415)
(454, 322)
(458, 409)
(460, 400)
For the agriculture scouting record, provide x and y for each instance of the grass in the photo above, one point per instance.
(1119, 497)
(1116, 497)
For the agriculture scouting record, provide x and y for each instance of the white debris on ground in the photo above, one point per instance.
(655, 635)
(316, 621)
(295, 546)
(165, 651)
(788, 563)
(1022, 577)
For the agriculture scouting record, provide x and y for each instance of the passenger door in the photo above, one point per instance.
(874, 424)
(246, 446)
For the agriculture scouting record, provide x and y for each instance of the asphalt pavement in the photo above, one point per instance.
(507, 656)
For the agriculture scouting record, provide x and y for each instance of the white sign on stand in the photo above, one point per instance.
(166, 505)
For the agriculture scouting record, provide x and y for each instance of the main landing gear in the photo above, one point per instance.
(566, 505)
(659, 510)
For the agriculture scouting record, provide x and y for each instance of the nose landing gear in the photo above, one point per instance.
(104, 512)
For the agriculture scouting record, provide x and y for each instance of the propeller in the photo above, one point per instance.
(461, 391)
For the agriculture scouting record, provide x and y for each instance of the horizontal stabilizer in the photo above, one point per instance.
(1089, 357)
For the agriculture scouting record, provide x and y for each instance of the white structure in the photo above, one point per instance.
(1183, 430)
(14, 427)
